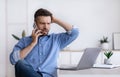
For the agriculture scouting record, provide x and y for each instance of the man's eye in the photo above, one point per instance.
(48, 23)
(43, 23)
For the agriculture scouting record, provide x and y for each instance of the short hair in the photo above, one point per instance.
(42, 12)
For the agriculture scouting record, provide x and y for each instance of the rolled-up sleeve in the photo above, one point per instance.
(15, 54)
(66, 38)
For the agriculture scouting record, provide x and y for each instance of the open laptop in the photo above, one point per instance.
(87, 60)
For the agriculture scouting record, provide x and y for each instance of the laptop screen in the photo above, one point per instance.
(88, 58)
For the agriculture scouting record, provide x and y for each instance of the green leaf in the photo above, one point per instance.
(108, 54)
(104, 40)
(23, 33)
(16, 37)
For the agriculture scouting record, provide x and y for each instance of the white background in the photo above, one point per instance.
(94, 18)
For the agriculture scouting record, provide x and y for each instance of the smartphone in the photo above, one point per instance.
(34, 25)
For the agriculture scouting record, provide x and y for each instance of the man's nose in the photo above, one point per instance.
(46, 25)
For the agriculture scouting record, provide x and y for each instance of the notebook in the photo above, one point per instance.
(106, 66)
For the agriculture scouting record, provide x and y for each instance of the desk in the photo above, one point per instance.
(93, 72)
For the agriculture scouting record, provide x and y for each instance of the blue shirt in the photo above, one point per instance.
(43, 57)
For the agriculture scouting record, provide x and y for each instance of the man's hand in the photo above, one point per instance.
(63, 24)
(35, 34)
(53, 19)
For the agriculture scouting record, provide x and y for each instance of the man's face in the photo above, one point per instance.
(43, 24)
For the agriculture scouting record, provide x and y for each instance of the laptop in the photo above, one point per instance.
(87, 60)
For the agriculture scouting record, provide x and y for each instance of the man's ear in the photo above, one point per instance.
(51, 19)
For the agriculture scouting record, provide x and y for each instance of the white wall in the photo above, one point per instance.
(2, 39)
(94, 18)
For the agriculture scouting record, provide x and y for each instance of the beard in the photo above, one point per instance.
(45, 32)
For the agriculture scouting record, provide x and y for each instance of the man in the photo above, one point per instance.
(36, 55)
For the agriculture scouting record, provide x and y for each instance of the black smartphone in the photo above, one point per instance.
(34, 25)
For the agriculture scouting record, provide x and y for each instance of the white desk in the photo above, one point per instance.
(93, 72)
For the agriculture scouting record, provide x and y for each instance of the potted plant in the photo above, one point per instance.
(18, 38)
(104, 43)
(108, 55)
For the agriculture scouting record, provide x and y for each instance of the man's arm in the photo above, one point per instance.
(24, 52)
(63, 24)
(66, 38)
